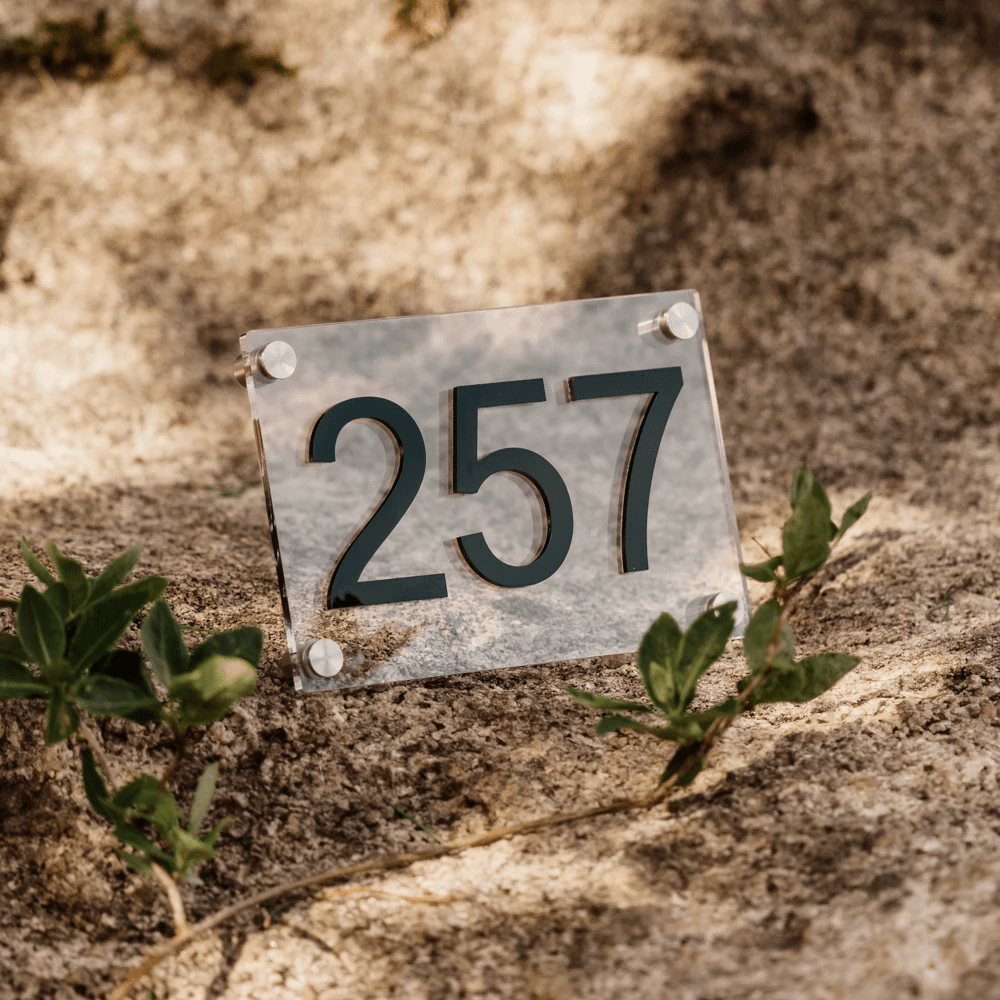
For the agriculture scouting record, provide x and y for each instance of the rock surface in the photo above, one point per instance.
(824, 173)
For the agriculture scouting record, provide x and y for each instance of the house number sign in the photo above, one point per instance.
(487, 489)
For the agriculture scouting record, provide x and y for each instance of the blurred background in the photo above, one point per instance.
(824, 172)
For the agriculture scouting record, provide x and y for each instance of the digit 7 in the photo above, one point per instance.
(663, 386)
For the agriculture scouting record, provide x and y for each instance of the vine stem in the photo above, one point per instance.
(384, 864)
(169, 886)
(782, 593)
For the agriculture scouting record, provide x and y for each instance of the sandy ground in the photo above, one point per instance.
(824, 172)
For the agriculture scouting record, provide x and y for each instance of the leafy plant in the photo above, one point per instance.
(672, 661)
(64, 652)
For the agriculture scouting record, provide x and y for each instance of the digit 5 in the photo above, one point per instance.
(469, 472)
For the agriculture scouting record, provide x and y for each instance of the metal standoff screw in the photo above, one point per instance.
(679, 322)
(699, 605)
(322, 658)
(275, 361)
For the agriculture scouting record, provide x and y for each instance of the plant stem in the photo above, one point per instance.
(181, 749)
(99, 755)
(176, 903)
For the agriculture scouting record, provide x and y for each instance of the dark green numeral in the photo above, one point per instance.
(346, 588)
(663, 386)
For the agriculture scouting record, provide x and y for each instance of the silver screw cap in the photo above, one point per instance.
(699, 605)
(680, 321)
(323, 658)
(276, 361)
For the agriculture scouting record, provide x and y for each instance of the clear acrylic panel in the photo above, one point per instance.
(561, 571)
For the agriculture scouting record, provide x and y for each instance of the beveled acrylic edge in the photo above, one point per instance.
(676, 294)
(727, 491)
(272, 526)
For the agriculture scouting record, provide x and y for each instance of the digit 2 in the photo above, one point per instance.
(346, 588)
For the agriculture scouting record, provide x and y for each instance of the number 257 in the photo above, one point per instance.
(468, 473)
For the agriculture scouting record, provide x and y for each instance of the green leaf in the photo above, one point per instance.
(103, 622)
(143, 799)
(61, 719)
(245, 643)
(58, 596)
(612, 723)
(801, 485)
(72, 576)
(681, 759)
(163, 644)
(672, 662)
(202, 797)
(40, 628)
(806, 538)
(11, 648)
(59, 672)
(114, 573)
(190, 850)
(601, 701)
(703, 643)
(656, 659)
(35, 564)
(811, 677)
(853, 513)
(102, 696)
(806, 485)
(132, 837)
(126, 795)
(17, 681)
(97, 791)
(762, 571)
(8, 602)
(758, 634)
(693, 725)
(207, 845)
(159, 806)
(685, 728)
(207, 693)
